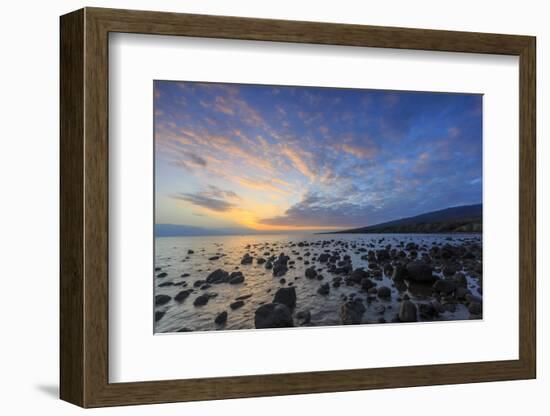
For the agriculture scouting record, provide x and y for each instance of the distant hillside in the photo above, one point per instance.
(466, 218)
(177, 230)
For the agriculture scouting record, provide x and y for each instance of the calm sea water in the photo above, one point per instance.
(171, 255)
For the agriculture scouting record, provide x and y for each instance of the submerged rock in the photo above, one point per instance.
(236, 278)
(384, 292)
(181, 296)
(236, 305)
(159, 315)
(273, 315)
(247, 259)
(324, 289)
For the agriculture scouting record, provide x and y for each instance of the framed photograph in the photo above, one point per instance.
(255, 207)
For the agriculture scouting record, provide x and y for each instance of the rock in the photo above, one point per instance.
(260, 260)
(460, 280)
(384, 292)
(352, 311)
(324, 289)
(450, 269)
(268, 265)
(323, 258)
(247, 259)
(426, 311)
(474, 308)
(366, 283)
(181, 296)
(190, 252)
(166, 284)
(163, 274)
(444, 286)
(201, 300)
(286, 296)
(357, 275)
(304, 317)
(221, 318)
(236, 305)
(162, 300)
(472, 298)
(382, 255)
(407, 312)
(236, 278)
(399, 273)
(218, 276)
(273, 315)
(199, 283)
(244, 297)
(214, 258)
(311, 273)
(461, 292)
(159, 315)
(279, 269)
(420, 272)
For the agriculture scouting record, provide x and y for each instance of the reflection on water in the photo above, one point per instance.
(183, 264)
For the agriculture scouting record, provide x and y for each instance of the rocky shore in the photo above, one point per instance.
(316, 281)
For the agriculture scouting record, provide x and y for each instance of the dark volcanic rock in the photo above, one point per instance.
(279, 269)
(181, 296)
(221, 318)
(159, 315)
(286, 296)
(420, 272)
(236, 305)
(324, 289)
(163, 274)
(384, 292)
(352, 311)
(474, 308)
(162, 300)
(311, 273)
(357, 275)
(273, 315)
(247, 259)
(399, 273)
(407, 312)
(201, 300)
(236, 278)
(303, 317)
(444, 286)
(218, 276)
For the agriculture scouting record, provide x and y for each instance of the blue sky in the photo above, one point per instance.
(289, 158)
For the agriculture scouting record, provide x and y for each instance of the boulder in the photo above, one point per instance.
(399, 273)
(407, 312)
(273, 315)
(324, 289)
(303, 317)
(236, 278)
(279, 269)
(420, 272)
(181, 296)
(221, 318)
(236, 305)
(366, 283)
(444, 286)
(474, 308)
(247, 259)
(323, 258)
(162, 300)
(218, 276)
(311, 273)
(159, 315)
(357, 275)
(352, 311)
(286, 296)
(384, 292)
(201, 300)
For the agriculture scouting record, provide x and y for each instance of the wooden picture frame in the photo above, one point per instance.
(84, 207)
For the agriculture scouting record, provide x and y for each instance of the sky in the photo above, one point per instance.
(280, 158)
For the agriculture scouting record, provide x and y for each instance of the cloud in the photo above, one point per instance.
(205, 201)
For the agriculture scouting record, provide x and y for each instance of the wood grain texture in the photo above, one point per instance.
(71, 100)
(84, 207)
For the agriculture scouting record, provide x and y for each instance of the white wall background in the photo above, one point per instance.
(29, 209)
